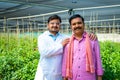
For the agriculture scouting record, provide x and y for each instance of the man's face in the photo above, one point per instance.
(77, 26)
(54, 26)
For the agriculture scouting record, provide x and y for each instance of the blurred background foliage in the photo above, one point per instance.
(19, 58)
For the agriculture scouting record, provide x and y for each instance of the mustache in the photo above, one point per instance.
(77, 28)
(54, 27)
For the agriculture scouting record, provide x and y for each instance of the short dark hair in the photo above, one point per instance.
(75, 16)
(54, 17)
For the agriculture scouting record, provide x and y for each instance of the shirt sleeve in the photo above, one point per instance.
(48, 49)
(99, 69)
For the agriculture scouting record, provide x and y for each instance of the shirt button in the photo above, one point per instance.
(79, 49)
(78, 75)
(78, 66)
(79, 58)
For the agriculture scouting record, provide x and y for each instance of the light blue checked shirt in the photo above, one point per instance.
(51, 50)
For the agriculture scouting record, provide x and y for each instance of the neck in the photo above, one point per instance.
(53, 32)
(78, 36)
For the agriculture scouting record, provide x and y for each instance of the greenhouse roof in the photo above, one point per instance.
(18, 8)
(107, 10)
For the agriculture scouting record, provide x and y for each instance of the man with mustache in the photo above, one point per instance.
(81, 57)
(50, 46)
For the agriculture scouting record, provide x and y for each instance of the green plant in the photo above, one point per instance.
(19, 58)
(110, 52)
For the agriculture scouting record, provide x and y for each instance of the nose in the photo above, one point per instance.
(77, 24)
(55, 24)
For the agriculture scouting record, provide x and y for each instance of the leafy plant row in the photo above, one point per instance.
(19, 58)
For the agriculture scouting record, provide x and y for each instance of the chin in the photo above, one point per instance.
(79, 32)
(54, 31)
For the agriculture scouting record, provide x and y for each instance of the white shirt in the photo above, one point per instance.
(51, 50)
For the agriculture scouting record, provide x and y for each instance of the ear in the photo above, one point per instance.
(83, 24)
(47, 26)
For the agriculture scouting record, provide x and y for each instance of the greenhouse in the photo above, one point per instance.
(22, 21)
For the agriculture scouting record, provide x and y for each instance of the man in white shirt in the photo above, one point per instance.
(50, 46)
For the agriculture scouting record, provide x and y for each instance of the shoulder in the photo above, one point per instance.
(64, 36)
(42, 36)
(67, 46)
(94, 42)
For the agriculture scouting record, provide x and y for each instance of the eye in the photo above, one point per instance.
(73, 24)
(52, 23)
(79, 23)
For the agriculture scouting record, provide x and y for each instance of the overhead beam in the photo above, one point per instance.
(34, 4)
(98, 7)
(14, 9)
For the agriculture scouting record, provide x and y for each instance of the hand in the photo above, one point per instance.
(65, 78)
(64, 42)
(92, 36)
(99, 78)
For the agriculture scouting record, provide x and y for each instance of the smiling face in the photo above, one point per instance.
(54, 26)
(77, 25)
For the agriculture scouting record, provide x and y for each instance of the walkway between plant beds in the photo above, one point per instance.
(112, 37)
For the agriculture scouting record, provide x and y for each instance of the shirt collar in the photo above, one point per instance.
(52, 34)
(83, 35)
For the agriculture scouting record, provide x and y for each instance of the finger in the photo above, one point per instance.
(91, 36)
(95, 37)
